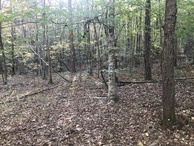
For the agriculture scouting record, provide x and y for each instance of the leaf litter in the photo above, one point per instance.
(79, 114)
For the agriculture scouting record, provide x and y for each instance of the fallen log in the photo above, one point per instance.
(123, 83)
(24, 96)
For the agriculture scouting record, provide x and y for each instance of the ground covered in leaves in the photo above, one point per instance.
(64, 114)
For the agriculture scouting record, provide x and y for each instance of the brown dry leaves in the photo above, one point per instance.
(78, 114)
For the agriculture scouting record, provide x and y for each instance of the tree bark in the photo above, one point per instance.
(12, 44)
(139, 35)
(3, 55)
(147, 41)
(168, 88)
(49, 60)
(88, 47)
(112, 87)
(44, 66)
(71, 39)
(12, 50)
(97, 50)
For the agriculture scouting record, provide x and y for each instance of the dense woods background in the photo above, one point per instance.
(118, 42)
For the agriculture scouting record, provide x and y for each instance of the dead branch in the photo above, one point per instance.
(64, 78)
(104, 81)
(27, 95)
(180, 79)
(123, 83)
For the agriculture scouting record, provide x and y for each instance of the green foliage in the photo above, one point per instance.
(185, 18)
(127, 25)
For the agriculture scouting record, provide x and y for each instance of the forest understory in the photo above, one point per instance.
(33, 113)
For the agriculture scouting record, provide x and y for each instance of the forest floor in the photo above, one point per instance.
(33, 113)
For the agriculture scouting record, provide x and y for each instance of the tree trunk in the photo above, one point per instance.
(44, 66)
(89, 52)
(168, 88)
(97, 50)
(71, 39)
(3, 55)
(79, 48)
(139, 35)
(49, 60)
(12, 44)
(12, 50)
(147, 42)
(112, 87)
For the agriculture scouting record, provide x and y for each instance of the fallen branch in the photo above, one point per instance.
(104, 81)
(27, 95)
(64, 78)
(179, 79)
(123, 83)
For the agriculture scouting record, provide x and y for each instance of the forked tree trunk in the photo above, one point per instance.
(147, 42)
(168, 88)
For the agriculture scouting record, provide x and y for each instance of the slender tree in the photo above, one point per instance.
(3, 54)
(112, 86)
(97, 50)
(44, 66)
(147, 41)
(168, 95)
(12, 44)
(49, 59)
(71, 39)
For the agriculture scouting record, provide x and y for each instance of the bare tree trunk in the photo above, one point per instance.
(1, 70)
(97, 50)
(138, 50)
(12, 50)
(71, 39)
(12, 44)
(89, 51)
(49, 59)
(3, 55)
(147, 42)
(112, 86)
(168, 87)
(37, 59)
(79, 48)
(44, 66)
(3, 58)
